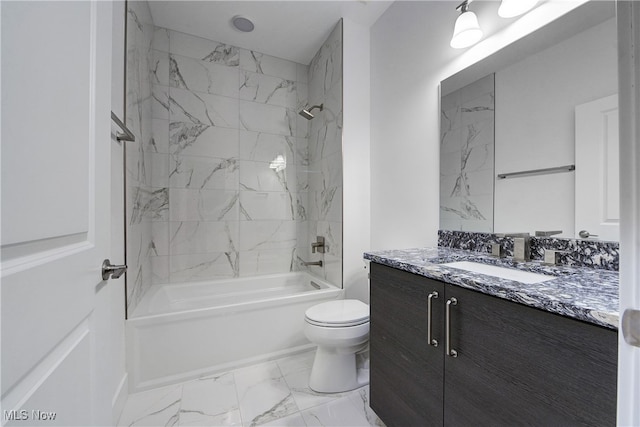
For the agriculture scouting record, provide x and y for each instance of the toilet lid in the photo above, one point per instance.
(348, 312)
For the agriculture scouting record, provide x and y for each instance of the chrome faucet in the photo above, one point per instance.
(318, 245)
(521, 248)
(307, 263)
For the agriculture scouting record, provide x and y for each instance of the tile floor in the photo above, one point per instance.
(273, 393)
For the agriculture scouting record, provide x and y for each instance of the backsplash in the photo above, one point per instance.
(580, 253)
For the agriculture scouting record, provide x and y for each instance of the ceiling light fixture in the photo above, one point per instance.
(466, 31)
(242, 23)
(513, 8)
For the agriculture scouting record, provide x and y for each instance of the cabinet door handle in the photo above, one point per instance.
(430, 339)
(450, 352)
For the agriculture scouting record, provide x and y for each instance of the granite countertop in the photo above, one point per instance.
(586, 294)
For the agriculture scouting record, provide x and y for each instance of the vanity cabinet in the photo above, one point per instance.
(514, 365)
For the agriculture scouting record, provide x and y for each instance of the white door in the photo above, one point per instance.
(628, 13)
(113, 305)
(56, 95)
(598, 169)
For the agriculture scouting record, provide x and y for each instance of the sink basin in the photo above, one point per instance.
(501, 272)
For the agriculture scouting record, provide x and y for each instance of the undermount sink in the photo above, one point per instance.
(501, 272)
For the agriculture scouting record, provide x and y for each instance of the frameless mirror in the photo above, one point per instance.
(529, 134)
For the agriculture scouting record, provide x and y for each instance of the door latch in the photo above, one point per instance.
(112, 271)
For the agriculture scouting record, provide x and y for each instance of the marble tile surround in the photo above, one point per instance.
(578, 252)
(236, 183)
(323, 209)
(144, 203)
(467, 145)
(274, 393)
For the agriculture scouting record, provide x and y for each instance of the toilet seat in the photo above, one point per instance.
(338, 314)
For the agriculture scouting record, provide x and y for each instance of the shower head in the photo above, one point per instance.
(306, 112)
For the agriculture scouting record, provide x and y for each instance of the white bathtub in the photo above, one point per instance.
(183, 331)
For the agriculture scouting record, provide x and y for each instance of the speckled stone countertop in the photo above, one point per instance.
(586, 294)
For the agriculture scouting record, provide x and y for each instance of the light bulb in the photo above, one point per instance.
(466, 31)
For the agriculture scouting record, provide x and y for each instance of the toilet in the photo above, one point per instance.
(341, 330)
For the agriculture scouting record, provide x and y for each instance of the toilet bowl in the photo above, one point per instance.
(341, 330)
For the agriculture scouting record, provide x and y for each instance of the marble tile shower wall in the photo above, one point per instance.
(144, 203)
(324, 186)
(467, 157)
(226, 155)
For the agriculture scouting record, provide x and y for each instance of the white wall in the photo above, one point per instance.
(410, 55)
(535, 127)
(356, 153)
(408, 47)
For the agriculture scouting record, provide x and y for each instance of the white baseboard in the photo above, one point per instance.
(212, 370)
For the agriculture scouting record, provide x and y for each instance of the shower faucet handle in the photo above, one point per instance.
(318, 245)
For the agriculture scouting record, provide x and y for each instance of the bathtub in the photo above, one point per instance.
(183, 331)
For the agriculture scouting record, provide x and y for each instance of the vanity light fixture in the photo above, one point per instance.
(466, 31)
(512, 8)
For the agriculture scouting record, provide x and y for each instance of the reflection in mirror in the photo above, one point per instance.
(466, 157)
(555, 107)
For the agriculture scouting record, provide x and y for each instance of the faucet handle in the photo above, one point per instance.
(526, 234)
(547, 233)
(585, 234)
(551, 256)
(496, 250)
(318, 245)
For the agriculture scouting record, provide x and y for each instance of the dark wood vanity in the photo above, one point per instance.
(505, 364)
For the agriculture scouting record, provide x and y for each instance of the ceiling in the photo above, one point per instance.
(292, 30)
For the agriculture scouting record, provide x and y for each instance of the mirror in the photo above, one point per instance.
(529, 134)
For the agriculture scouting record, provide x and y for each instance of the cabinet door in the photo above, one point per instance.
(518, 365)
(406, 372)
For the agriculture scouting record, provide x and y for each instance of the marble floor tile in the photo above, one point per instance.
(360, 398)
(298, 362)
(304, 397)
(159, 407)
(195, 418)
(274, 393)
(295, 420)
(340, 412)
(210, 401)
(263, 394)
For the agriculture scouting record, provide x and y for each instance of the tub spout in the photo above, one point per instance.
(318, 263)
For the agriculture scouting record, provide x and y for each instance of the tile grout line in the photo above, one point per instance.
(299, 411)
(235, 387)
